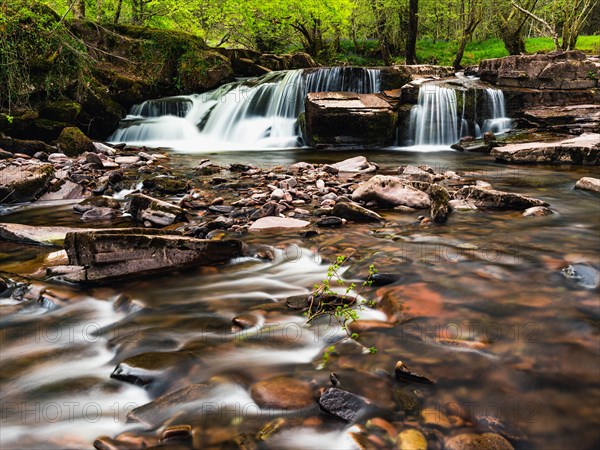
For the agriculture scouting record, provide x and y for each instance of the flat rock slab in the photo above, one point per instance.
(551, 115)
(273, 224)
(28, 234)
(584, 150)
(498, 200)
(116, 254)
(588, 184)
(24, 183)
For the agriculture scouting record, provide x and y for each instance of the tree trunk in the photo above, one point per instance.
(98, 10)
(135, 16)
(514, 42)
(413, 26)
(118, 12)
(79, 9)
(459, 54)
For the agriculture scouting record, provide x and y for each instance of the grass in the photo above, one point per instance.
(443, 53)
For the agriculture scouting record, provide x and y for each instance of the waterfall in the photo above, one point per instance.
(498, 122)
(252, 114)
(434, 120)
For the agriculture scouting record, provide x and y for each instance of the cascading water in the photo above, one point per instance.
(498, 123)
(435, 124)
(252, 114)
(433, 121)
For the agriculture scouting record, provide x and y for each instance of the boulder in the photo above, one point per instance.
(73, 142)
(588, 184)
(497, 200)
(556, 70)
(390, 191)
(282, 393)
(348, 120)
(24, 183)
(156, 212)
(120, 253)
(580, 150)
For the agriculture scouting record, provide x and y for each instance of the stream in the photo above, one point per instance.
(492, 278)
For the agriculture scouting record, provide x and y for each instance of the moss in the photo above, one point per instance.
(73, 142)
(60, 111)
(200, 71)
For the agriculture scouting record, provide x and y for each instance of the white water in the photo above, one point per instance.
(260, 113)
(498, 122)
(434, 121)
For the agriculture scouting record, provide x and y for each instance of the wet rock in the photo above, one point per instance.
(363, 325)
(581, 150)
(96, 214)
(282, 393)
(7, 155)
(498, 200)
(96, 202)
(411, 439)
(583, 275)
(573, 119)
(537, 211)
(435, 418)
(245, 321)
(94, 160)
(158, 410)
(414, 173)
(146, 368)
(390, 191)
(462, 205)
(109, 254)
(358, 164)
(403, 373)
(348, 120)
(35, 234)
(63, 190)
(588, 184)
(157, 212)
(127, 160)
(440, 207)
(167, 185)
(383, 278)
(24, 183)
(73, 142)
(355, 212)
(485, 441)
(342, 404)
(330, 222)
(274, 224)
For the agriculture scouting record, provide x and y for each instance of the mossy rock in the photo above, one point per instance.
(73, 142)
(60, 111)
(201, 71)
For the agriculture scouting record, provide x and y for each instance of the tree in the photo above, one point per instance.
(566, 18)
(79, 9)
(472, 16)
(413, 28)
(510, 22)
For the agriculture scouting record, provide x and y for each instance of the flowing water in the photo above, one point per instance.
(490, 277)
(254, 114)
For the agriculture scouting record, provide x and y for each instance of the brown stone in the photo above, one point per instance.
(282, 393)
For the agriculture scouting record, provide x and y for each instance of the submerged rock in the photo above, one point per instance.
(146, 368)
(584, 275)
(485, 441)
(96, 202)
(342, 404)
(537, 211)
(282, 393)
(35, 234)
(588, 184)
(391, 191)
(499, 200)
(411, 439)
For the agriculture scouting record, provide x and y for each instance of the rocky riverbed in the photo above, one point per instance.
(487, 276)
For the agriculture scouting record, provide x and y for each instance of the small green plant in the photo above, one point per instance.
(592, 75)
(9, 118)
(343, 308)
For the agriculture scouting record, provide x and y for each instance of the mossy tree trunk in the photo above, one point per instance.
(413, 27)
(79, 9)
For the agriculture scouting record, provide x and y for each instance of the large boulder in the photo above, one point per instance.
(24, 183)
(119, 253)
(557, 70)
(73, 142)
(497, 200)
(582, 150)
(348, 120)
(391, 191)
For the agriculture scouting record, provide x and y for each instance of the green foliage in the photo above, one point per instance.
(38, 54)
(344, 307)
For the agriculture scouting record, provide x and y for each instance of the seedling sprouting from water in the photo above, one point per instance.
(343, 308)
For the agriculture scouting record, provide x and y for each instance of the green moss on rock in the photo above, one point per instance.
(73, 142)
